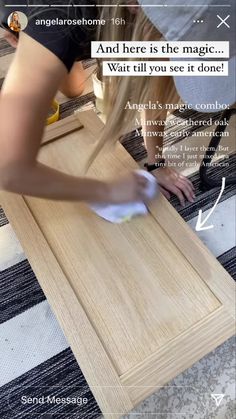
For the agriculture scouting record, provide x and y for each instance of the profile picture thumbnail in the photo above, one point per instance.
(17, 21)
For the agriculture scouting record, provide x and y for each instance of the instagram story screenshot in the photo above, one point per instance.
(117, 209)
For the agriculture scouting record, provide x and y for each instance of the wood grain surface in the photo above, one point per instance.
(139, 302)
(60, 128)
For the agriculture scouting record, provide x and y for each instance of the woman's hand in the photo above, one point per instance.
(129, 188)
(172, 181)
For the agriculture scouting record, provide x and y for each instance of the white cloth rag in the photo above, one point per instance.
(119, 213)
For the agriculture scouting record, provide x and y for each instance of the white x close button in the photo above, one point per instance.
(223, 21)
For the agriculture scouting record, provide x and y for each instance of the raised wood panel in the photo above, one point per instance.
(60, 128)
(178, 355)
(124, 275)
(139, 302)
(87, 348)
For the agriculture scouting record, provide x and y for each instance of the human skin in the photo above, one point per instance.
(20, 172)
(73, 83)
(170, 180)
(12, 173)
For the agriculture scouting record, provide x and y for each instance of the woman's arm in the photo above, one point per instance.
(30, 86)
(73, 83)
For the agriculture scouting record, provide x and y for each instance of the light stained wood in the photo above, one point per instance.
(60, 128)
(207, 266)
(178, 355)
(197, 254)
(152, 300)
(85, 344)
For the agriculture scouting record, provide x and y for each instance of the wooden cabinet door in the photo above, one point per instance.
(138, 302)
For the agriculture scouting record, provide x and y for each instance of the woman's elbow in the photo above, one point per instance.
(74, 83)
(71, 91)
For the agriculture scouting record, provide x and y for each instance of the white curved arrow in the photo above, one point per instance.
(200, 223)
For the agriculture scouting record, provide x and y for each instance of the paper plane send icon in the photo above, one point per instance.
(218, 398)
